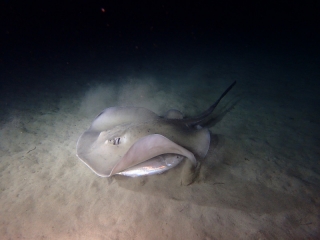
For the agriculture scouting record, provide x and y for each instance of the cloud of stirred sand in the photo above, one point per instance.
(138, 92)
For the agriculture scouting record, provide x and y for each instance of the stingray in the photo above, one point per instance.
(134, 141)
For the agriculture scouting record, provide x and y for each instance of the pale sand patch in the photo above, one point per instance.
(252, 184)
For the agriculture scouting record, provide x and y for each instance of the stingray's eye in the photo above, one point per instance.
(116, 141)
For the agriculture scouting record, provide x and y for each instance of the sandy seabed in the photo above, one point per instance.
(260, 179)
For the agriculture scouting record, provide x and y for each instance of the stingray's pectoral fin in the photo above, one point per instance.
(189, 173)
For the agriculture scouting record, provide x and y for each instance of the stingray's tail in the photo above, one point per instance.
(196, 121)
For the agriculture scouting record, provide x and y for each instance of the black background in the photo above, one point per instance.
(40, 36)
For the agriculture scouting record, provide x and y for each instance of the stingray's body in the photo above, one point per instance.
(135, 141)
